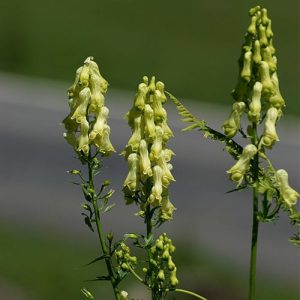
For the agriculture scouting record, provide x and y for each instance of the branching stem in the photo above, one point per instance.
(104, 248)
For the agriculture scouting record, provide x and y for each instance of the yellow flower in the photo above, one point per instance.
(238, 170)
(149, 122)
(81, 111)
(101, 120)
(156, 191)
(83, 141)
(246, 71)
(157, 144)
(136, 137)
(288, 194)
(145, 164)
(270, 136)
(103, 142)
(276, 99)
(132, 179)
(266, 81)
(255, 105)
(140, 98)
(232, 125)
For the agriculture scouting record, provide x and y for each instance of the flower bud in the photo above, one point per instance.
(238, 170)
(171, 265)
(270, 136)
(255, 105)
(288, 195)
(161, 275)
(232, 125)
(173, 278)
(124, 295)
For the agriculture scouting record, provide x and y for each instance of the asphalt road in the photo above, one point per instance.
(35, 189)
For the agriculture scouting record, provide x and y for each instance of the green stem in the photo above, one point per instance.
(255, 224)
(188, 293)
(149, 233)
(105, 251)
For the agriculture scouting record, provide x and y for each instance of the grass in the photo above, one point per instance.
(192, 46)
(47, 266)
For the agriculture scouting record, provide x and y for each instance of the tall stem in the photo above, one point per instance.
(104, 248)
(255, 223)
(148, 221)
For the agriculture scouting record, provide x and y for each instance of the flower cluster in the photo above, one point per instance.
(86, 123)
(124, 259)
(146, 151)
(162, 266)
(257, 92)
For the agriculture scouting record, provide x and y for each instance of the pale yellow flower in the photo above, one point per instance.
(232, 124)
(288, 194)
(238, 170)
(255, 105)
(132, 180)
(270, 136)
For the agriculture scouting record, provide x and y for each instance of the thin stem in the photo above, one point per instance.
(188, 293)
(136, 275)
(101, 235)
(255, 224)
(149, 234)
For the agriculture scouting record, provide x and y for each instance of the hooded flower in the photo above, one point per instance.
(255, 105)
(237, 172)
(87, 111)
(288, 195)
(232, 125)
(270, 136)
(150, 134)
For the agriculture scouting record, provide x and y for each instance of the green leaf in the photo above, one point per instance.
(87, 192)
(87, 221)
(88, 295)
(96, 259)
(109, 207)
(233, 148)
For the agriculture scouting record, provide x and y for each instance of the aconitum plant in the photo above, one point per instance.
(256, 95)
(146, 184)
(257, 99)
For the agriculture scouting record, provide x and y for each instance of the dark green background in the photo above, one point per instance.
(191, 45)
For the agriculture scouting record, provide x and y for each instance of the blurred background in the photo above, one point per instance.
(193, 47)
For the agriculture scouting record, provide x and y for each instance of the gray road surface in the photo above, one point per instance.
(35, 189)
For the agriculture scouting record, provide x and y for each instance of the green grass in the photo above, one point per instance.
(47, 266)
(192, 46)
